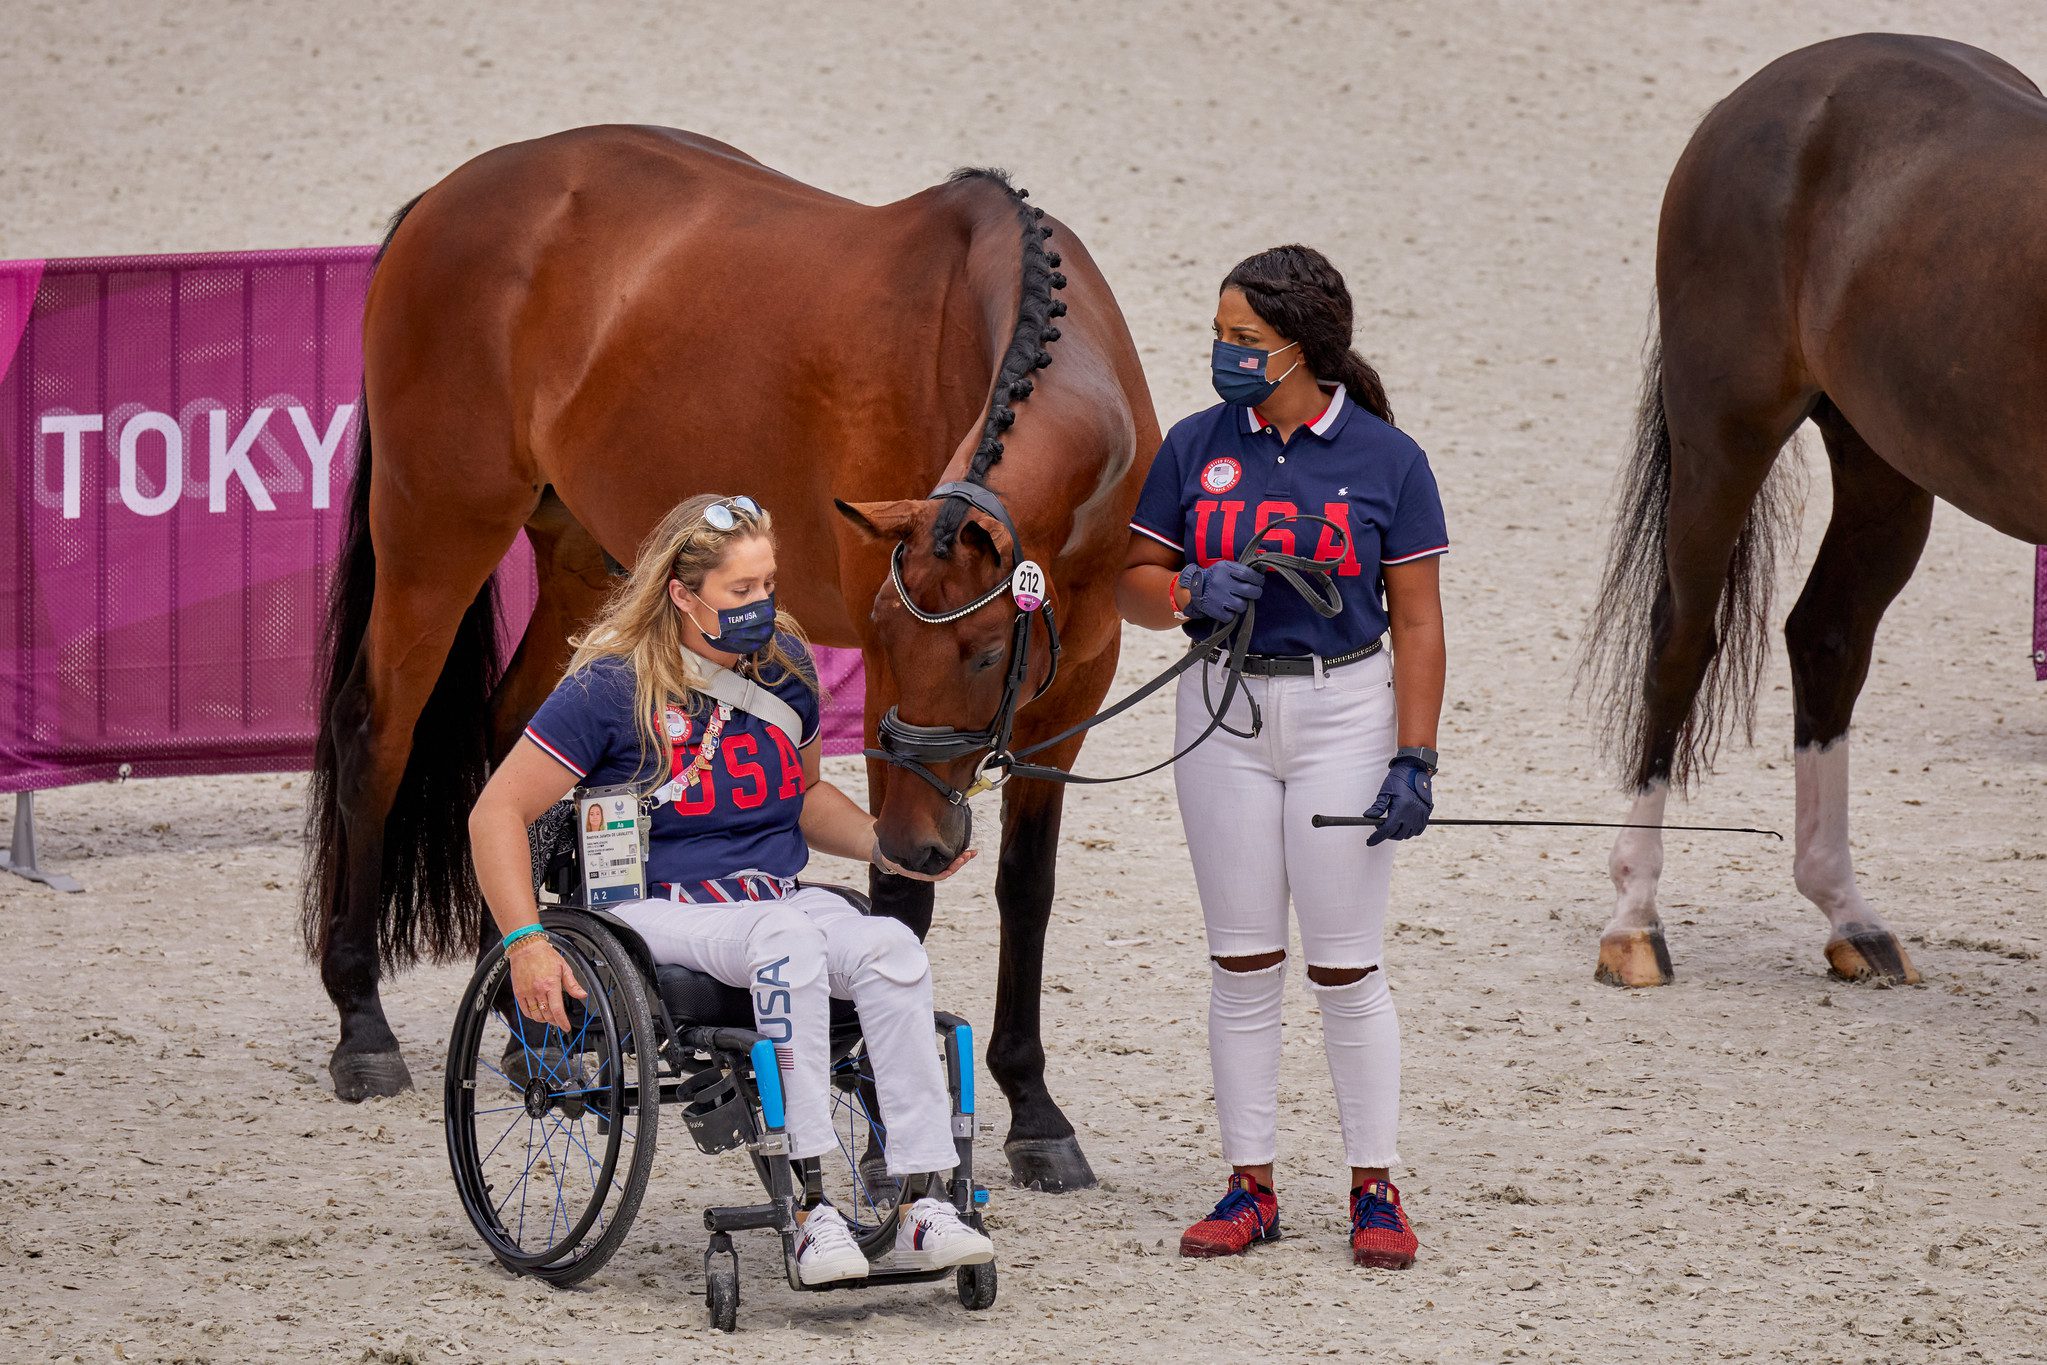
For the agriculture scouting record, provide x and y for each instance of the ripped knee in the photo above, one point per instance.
(1339, 976)
(1256, 962)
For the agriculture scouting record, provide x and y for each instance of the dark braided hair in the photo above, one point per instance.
(1300, 295)
(1035, 310)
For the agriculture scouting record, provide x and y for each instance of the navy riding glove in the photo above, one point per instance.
(1405, 802)
(1223, 589)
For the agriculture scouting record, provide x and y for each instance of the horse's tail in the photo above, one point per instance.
(427, 898)
(1630, 616)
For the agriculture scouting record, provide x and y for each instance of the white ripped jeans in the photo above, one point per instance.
(1245, 805)
(792, 955)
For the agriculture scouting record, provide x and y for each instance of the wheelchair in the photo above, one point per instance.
(551, 1132)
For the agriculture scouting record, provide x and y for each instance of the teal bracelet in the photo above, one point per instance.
(518, 934)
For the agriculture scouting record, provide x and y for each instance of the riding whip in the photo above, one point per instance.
(1324, 821)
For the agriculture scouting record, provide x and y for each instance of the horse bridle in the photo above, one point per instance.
(915, 747)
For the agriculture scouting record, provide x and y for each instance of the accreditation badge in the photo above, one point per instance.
(611, 840)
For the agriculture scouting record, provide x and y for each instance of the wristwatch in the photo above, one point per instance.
(1186, 579)
(1420, 755)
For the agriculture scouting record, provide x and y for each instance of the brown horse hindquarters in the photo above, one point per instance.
(1847, 237)
(1922, 274)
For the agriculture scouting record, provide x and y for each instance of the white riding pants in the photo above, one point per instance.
(792, 955)
(1245, 805)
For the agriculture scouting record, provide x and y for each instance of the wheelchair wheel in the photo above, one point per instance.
(976, 1285)
(548, 1135)
(721, 1284)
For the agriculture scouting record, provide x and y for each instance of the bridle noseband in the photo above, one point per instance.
(915, 747)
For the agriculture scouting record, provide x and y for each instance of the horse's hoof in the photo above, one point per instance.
(1872, 955)
(1634, 958)
(1054, 1165)
(362, 1076)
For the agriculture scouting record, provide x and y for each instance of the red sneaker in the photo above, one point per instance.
(1379, 1234)
(1248, 1214)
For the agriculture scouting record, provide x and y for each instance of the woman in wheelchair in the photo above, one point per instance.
(737, 807)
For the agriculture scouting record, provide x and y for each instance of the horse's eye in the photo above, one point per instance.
(987, 660)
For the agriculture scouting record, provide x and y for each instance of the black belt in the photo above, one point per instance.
(1303, 665)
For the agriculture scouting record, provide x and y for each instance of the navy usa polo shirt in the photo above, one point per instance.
(1223, 475)
(743, 812)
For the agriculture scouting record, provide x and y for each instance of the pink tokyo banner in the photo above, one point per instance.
(177, 436)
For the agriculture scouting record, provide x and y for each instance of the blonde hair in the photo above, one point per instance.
(640, 625)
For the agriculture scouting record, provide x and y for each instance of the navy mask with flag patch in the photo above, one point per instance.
(1240, 372)
(742, 629)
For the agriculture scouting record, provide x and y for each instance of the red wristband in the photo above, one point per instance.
(1172, 602)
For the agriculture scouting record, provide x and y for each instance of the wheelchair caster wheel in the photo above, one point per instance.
(721, 1284)
(976, 1285)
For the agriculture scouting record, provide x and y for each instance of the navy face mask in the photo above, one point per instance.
(1240, 372)
(742, 629)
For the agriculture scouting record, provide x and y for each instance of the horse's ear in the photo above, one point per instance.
(984, 530)
(881, 520)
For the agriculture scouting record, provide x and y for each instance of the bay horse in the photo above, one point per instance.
(1853, 237)
(567, 337)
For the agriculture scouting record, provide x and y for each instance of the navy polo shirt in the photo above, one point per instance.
(1223, 475)
(741, 813)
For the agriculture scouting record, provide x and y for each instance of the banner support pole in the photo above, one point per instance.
(20, 859)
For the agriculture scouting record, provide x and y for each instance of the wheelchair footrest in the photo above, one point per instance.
(738, 1218)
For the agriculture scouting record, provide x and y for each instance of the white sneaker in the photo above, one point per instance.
(932, 1237)
(825, 1250)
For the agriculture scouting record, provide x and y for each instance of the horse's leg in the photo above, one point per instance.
(431, 566)
(1720, 459)
(573, 578)
(1872, 544)
(1043, 1152)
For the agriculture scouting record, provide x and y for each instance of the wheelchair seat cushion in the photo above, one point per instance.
(697, 998)
(694, 997)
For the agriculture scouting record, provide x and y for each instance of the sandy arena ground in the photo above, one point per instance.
(1755, 1164)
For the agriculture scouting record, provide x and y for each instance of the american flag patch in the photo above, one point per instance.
(1250, 362)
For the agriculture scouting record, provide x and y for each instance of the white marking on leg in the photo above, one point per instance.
(1822, 866)
(1636, 863)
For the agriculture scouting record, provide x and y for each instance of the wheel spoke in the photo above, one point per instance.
(501, 1138)
(560, 1212)
(575, 1136)
(520, 1186)
(485, 1062)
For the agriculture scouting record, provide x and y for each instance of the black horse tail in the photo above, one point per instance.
(1629, 620)
(427, 901)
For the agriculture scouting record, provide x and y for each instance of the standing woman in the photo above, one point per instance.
(1303, 428)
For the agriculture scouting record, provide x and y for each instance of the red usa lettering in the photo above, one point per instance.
(1210, 546)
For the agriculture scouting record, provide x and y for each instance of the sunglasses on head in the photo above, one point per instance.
(723, 516)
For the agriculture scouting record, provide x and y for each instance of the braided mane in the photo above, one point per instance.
(1034, 332)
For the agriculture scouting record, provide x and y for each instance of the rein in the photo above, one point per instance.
(915, 747)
